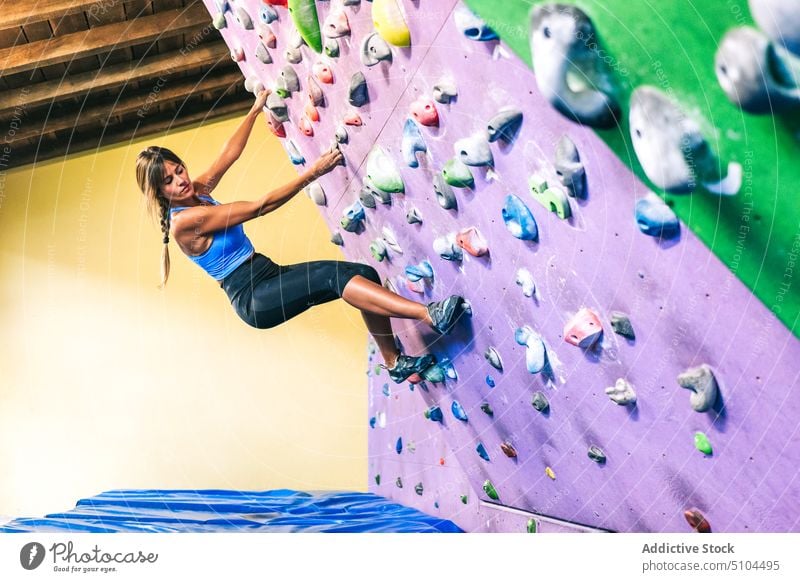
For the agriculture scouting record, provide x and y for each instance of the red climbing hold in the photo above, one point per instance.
(696, 519)
(441, 461)
(275, 126)
(424, 112)
(306, 127)
(275, 2)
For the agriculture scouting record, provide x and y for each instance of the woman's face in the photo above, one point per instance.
(176, 185)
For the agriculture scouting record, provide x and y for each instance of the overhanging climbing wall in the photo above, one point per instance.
(614, 374)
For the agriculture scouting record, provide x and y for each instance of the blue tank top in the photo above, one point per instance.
(229, 248)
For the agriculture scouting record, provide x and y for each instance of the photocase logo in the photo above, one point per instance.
(31, 555)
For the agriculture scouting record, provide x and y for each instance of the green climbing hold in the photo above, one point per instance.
(464, 499)
(457, 173)
(304, 16)
(378, 479)
(490, 490)
(553, 199)
(418, 488)
(383, 172)
(702, 444)
(531, 525)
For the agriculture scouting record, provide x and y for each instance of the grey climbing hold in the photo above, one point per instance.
(780, 19)
(622, 392)
(367, 198)
(412, 143)
(621, 325)
(446, 247)
(445, 90)
(518, 219)
(316, 193)
(535, 352)
(413, 216)
(482, 452)
(219, 21)
(314, 91)
(569, 167)
(290, 79)
(391, 240)
(262, 54)
(485, 407)
(703, 384)
(293, 55)
(471, 25)
(655, 218)
(351, 2)
(539, 402)
(358, 93)
(493, 357)
(525, 280)
(564, 47)
(418, 489)
(331, 48)
(277, 106)
(243, 18)
(341, 134)
(445, 195)
(458, 411)
(457, 173)
(505, 125)
(336, 238)
(374, 50)
(474, 150)
(596, 454)
(756, 74)
(382, 171)
(336, 24)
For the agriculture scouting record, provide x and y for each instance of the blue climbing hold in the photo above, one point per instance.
(353, 215)
(471, 25)
(399, 446)
(655, 218)
(490, 381)
(413, 142)
(267, 14)
(535, 351)
(519, 220)
(482, 452)
(458, 411)
(372, 422)
(385, 390)
(424, 270)
(294, 153)
(434, 413)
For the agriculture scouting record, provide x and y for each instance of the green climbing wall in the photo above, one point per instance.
(671, 45)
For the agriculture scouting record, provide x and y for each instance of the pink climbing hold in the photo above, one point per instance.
(583, 329)
(275, 126)
(471, 240)
(311, 110)
(353, 119)
(306, 127)
(267, 36)
(237, 54)
(416, 286)
(324, 73)
(424, 112)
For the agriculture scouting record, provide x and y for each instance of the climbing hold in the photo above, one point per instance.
(702, 443)
(596, 454)
(757, 74)
(464, 499)
(336, 238)
(485, 407)
(323, 73)
(564, 48)
(471, 240)
(413, 216)
(367, 198)
(446, 247)
(378, 250)
(505, 125)
(237, 54)
(374, 50)
(358, 94)
(490, 491)
(276, 2)
(434, 374)
(290, 79)
(399, 483)
(411, 447)
(399, 445)
(341, 134)
(304, 16)
(391, 240)
(418, 488)
(267, 35)
(655, 218)
(457, 173)
(385, 390)
(697, 521)
(434, 413)
(471, 25)
(316, 193)
(293, 55)
(493, 357)
(445, 195)
(253, 85)
(445, 90)
(458, 411)
(243, 18)
(701, 382)
(416, 286)
(413, 142)
(306, 127)
(539, 402)
(621, 324)
(424, 270)
(780, 19)
(508, 450)
(550, 473)
(583, 329)
(294, 153)
(352, 217)
(535, 352)
(553, 199)
(336, 24)
(474, 150)
(671, 147)
(519, 220)
(490, 381)
(331, 48)
(372, 422)
(267, 14)
(531, 525)
(219, 21)
(569, 167)
(424, 112)
(311, 111)
(482, 452)
(387, 16)
(378, 479)
(262, 54)
(382, 171)
(525, 280)
(277, 106)
(622, 392)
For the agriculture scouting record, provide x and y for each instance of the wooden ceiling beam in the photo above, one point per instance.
(17, 101)
(22, 13)
(102, 39)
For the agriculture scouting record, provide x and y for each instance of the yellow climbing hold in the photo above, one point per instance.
(387, 16)
(549, 472)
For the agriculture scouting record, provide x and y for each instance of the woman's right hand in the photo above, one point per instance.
(327, 161)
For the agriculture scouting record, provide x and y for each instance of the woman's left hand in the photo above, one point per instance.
(261, 100)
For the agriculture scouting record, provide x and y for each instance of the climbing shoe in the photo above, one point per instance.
(406, 366)
(445, 313)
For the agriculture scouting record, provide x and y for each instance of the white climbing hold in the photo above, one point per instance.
(316, 193)
(622, 392)
(525, 280)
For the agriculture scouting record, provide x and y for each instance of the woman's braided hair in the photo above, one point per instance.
(150, 176)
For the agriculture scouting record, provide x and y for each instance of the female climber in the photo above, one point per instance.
(263, 293)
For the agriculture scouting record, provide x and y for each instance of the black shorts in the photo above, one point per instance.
(266, 294)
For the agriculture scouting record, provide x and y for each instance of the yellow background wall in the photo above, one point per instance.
(107, 382)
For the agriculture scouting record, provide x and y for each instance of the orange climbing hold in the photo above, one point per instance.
(311, 110)
(353, 119)
(323, 72)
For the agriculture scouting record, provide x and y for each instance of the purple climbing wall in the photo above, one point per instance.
(686, 308)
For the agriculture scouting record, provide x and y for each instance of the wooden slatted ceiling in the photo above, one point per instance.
(76, 75)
